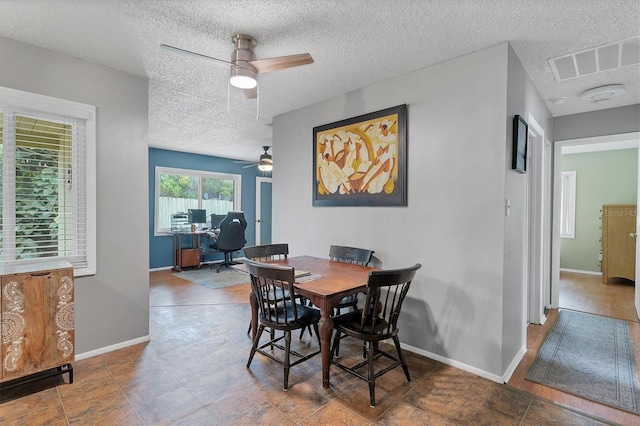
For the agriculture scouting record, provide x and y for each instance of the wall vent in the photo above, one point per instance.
(596, 59)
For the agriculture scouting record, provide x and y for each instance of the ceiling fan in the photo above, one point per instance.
(245, 66)
(265, 164)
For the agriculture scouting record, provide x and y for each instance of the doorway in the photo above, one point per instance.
(603, 143)
(263, 210)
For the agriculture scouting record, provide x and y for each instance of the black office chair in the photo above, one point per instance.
(278, 310)
(230, 238)
(377, 321)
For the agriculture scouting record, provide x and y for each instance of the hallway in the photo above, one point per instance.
(585, 293)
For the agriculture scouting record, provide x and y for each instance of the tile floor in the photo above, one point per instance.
(193, 372)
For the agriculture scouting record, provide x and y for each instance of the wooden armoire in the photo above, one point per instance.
(619, 241)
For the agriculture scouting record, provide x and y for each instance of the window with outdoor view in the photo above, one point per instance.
(43, 184)
(178, 190)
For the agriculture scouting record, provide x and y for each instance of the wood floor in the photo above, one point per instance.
(193, 371)
(584, 293)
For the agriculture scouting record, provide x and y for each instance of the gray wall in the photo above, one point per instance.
(454, 223)
(112, 306)
(598, 123)
(522, 99)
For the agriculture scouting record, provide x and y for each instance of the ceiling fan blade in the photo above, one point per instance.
(281, 62)
(250, 165)
(190, 53)
(251, 93)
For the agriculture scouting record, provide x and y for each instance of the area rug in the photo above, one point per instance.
(212, 279)
(589, 356)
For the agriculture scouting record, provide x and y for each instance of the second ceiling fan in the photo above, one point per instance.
(245, 66)
(265, 164)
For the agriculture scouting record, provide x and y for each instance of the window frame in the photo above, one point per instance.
(200, 174)
(568, 204)
(42, 105)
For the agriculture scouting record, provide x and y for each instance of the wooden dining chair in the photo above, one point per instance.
(375, 322)
(355, 255)
(278, 309)
(345, 254)
(265, 253)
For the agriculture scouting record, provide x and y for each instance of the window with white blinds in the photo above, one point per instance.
(47, 146)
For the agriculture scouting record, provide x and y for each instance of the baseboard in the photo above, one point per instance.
(456, 364)
(207, 263)
(578, 271)
(111, 348)
(163, 268)
(514, 364)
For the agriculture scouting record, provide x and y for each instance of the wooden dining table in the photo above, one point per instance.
(332, 281)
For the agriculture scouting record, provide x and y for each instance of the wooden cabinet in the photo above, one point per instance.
(37, 315)
(619, 241)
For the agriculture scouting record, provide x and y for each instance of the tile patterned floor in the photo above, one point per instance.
(193, 372)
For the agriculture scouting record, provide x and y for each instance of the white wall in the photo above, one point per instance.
(112, 306)
(454, 221)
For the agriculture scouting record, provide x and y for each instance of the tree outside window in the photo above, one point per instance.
(180, 190)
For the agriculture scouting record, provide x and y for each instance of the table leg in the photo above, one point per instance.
(253, 301)
(326, 330)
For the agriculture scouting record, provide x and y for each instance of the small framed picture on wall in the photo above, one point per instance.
(520, 130)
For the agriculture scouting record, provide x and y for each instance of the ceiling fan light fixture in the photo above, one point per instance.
(265, 167)
(266, 161)
(243, 78)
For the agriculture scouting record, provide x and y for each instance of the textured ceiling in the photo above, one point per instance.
(354, 43)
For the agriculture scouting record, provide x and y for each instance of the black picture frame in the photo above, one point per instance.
(520, 132)
(362, 161)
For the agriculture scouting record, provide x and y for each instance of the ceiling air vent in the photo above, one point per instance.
(596, 59)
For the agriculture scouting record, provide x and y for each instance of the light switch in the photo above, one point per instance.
(507, 207)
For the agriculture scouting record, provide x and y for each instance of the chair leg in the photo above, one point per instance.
(371, 376)
(405, 367)
(272, 336)
(287, 350)
(302, 330)
(336, 341)
(317, 330)
(254, 347)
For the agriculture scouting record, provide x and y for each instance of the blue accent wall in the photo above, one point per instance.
(161, 247)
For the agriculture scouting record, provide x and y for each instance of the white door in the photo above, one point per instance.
(538, 216)
(638, 244)
(263, 210)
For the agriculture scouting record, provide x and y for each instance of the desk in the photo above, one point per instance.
(338, 280)
(187, 256)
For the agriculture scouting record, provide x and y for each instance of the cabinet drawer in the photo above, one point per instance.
(190, 257)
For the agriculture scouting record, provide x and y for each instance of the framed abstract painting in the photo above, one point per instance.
(362, 161)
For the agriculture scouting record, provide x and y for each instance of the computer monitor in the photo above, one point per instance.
(197, 216)
(216, 219)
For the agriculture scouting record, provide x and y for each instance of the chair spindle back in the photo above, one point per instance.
(350, 254)
(267, 252)
(273, 288)
(386, 291)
